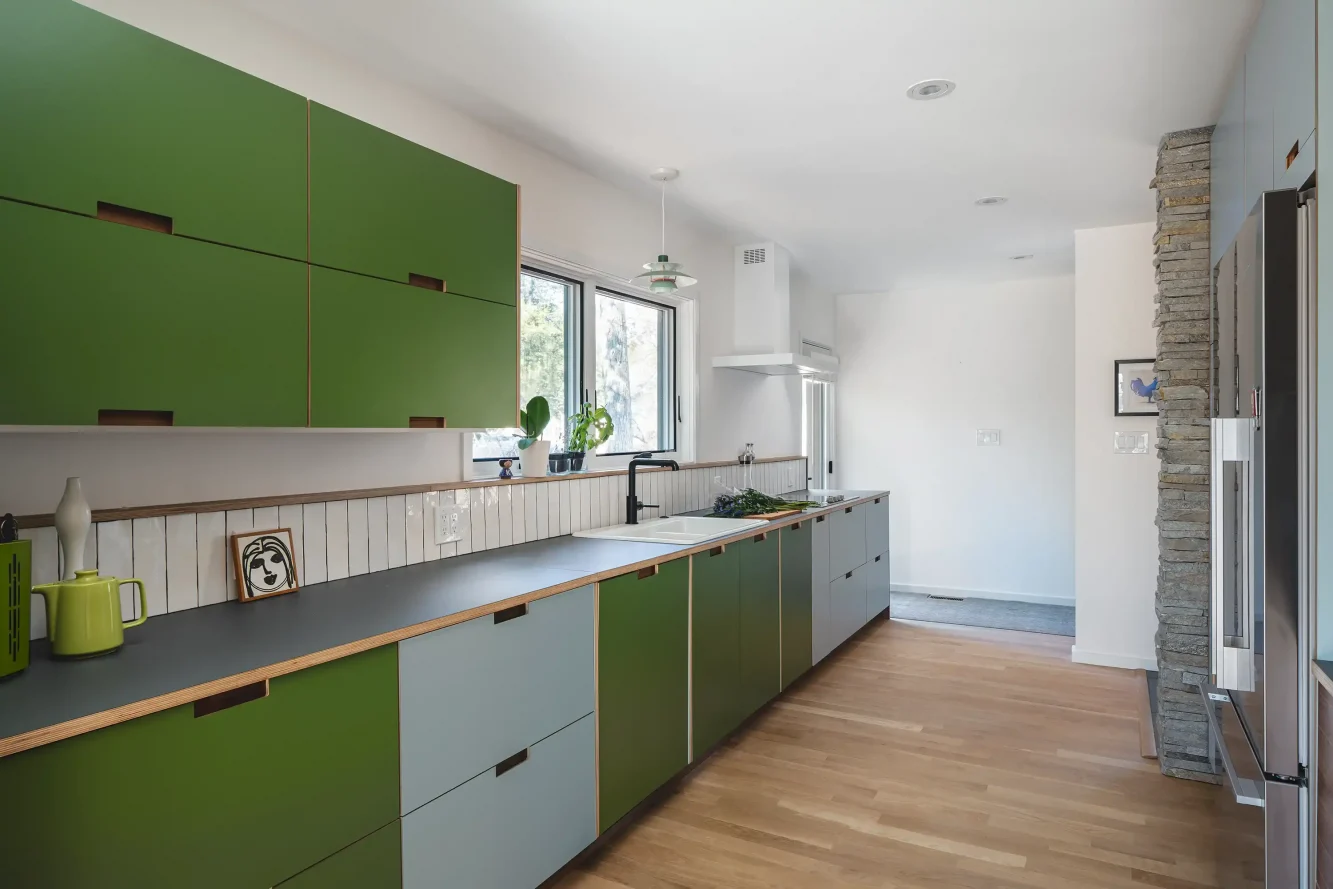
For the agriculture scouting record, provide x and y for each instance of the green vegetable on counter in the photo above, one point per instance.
(752, 502)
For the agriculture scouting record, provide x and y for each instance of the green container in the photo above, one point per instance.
(17, 602)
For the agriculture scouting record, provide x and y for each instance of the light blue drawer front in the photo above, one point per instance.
(877, 585)
(847, 604)
(847, 540)
(510, 831)
(821, 623)
(472, 694)
(877, 527)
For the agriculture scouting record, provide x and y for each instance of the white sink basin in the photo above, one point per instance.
(680, 530)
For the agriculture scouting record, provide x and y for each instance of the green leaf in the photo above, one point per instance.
(534, 420)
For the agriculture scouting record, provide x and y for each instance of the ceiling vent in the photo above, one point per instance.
(755, 255)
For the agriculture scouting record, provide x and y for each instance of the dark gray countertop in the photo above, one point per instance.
(173, 652)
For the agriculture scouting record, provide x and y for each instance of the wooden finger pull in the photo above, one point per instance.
(153, 222)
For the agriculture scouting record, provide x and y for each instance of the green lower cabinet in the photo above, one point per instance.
(760, 639)
(383, 354)
(643, 685)
(375, 862)
(797, 630)
(242, 797)
(104, 317)
(94, 110)
(715, 647)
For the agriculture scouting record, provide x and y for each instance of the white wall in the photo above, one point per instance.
(566, 213)
(1115, 495)
(922, 371)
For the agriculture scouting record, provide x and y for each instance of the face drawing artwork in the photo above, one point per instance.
(268, 565)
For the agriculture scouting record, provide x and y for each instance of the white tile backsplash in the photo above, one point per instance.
(150, 565)
(412, 520)
(358, 538)
(182, 590)
(335, 537)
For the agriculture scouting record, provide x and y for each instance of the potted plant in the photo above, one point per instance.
(589, 428)
(533, 450)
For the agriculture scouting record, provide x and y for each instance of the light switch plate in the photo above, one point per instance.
(1133, 442)
(988, 438)
(448, 516)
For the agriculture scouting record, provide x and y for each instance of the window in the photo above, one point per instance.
(581, 342)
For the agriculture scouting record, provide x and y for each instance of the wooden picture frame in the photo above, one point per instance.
(272, 555)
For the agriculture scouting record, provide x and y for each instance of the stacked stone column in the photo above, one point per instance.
(1184, 358)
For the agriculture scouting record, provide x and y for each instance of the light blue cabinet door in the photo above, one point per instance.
(1227, 198)
(1294, 92)
(847, 540)
(847, 605)
(472, 694)
(877, 527)
(877, 585)
(821, 620)
(1261, 68)
(512, 830)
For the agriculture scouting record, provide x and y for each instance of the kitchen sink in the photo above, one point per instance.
(679, 530)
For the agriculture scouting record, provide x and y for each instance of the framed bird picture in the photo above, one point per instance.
(1136, 388)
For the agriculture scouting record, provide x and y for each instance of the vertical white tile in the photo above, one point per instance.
(413, 520)
(266, 518)
(314, 540)
(540, 499)
(335, 537)
(377, 521)
(566, 516)
(552, 492)
(430, 505)
(589, 486)
(595, 503)
(615, 507)
(182, 562)
(115, 558)
(45, 569)
(463, 501)
(292, 517)
(449, 550)
(575, 504)
(518, 507)
(530, 512)
(238, 520)
(504, 514)
(210, 533)
(477, 506)
(358, 538)
(396, 508)
(150, 565)
(491, 516)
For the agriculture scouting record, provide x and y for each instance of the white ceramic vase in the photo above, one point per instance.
(73, 519)
(534, 460)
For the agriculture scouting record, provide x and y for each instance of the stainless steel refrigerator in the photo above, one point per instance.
(1258, 701)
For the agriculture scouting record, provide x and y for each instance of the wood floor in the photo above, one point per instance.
(925, 755)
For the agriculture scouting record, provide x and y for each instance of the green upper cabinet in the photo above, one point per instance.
(715, 647)
(760, 643)
(797, 607)
(245, 796)
(105, 317)
(382, 354)
(643, 686)
(94, 110)
(382, 205)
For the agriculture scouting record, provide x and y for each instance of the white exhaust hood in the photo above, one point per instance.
(767, 334)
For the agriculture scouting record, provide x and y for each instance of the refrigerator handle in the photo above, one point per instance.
(1248, 791)
(1233, 570)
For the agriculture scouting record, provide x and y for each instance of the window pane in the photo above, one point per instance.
(634, 372)
(544, 359)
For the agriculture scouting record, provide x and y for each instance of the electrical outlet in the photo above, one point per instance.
(791, 478)
(448, 517)
(988, 438)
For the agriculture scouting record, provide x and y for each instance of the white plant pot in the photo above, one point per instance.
(534, 460)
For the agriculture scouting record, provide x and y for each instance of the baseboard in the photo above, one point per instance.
(1034, 598)
(1104, 659)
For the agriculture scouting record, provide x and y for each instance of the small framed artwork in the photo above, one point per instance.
(264, 562)
(1136, 388)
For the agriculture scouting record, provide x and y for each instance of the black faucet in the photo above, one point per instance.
(632, 502)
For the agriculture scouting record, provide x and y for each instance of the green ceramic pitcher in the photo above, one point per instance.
(83, 614)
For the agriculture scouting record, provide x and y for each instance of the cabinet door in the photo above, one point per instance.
(716, 646)
(847, 605)
(877, 527)
(101, 316)
(1294, 93)
(877, 586)
(109, 113)
(510, 827)
(1261, 70)
(1227, 183)
(642, 685)
(384, 206)
(375, 862)
(761, 634)
(797, 639)
(243, 796)
(382, 354)
(847, 540)
(821, 618)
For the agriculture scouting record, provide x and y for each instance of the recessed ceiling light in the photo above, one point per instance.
(1022, 256)
(930, 89)
(991, 201)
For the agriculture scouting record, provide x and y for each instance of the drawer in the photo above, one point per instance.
(847, 540)
(373, 862)
(877, 527)
(509, 828)
(474, 693)
(877, 585)
(847, 605)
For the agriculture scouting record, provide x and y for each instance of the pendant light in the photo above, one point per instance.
(663, 276)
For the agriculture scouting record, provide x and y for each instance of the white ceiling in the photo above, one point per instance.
(789, 122)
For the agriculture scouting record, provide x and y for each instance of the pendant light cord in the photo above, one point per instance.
(663, 217)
